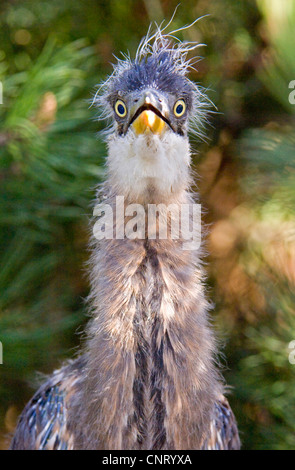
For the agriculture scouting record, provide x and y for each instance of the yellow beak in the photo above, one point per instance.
(147, 122)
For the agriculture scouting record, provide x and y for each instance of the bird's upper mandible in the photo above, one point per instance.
(149, 112)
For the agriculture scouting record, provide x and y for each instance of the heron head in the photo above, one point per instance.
(152, 105)
(151, 97)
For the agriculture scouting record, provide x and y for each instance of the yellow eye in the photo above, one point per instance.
(120, 108)
(179, 108)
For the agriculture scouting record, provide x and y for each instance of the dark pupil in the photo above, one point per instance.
(179, 109)
(121, 109)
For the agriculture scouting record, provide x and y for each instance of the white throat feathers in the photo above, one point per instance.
(146, 167)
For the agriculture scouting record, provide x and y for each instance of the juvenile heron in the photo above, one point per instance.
(147, 376)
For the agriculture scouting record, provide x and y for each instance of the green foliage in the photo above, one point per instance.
(279, 64)
(49, 161)
(265, 379)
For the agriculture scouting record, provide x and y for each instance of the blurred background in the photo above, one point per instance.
(52, 54)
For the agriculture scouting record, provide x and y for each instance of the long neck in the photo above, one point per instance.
(150, 380)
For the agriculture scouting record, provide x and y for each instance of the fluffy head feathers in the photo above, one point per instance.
(161, 63)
